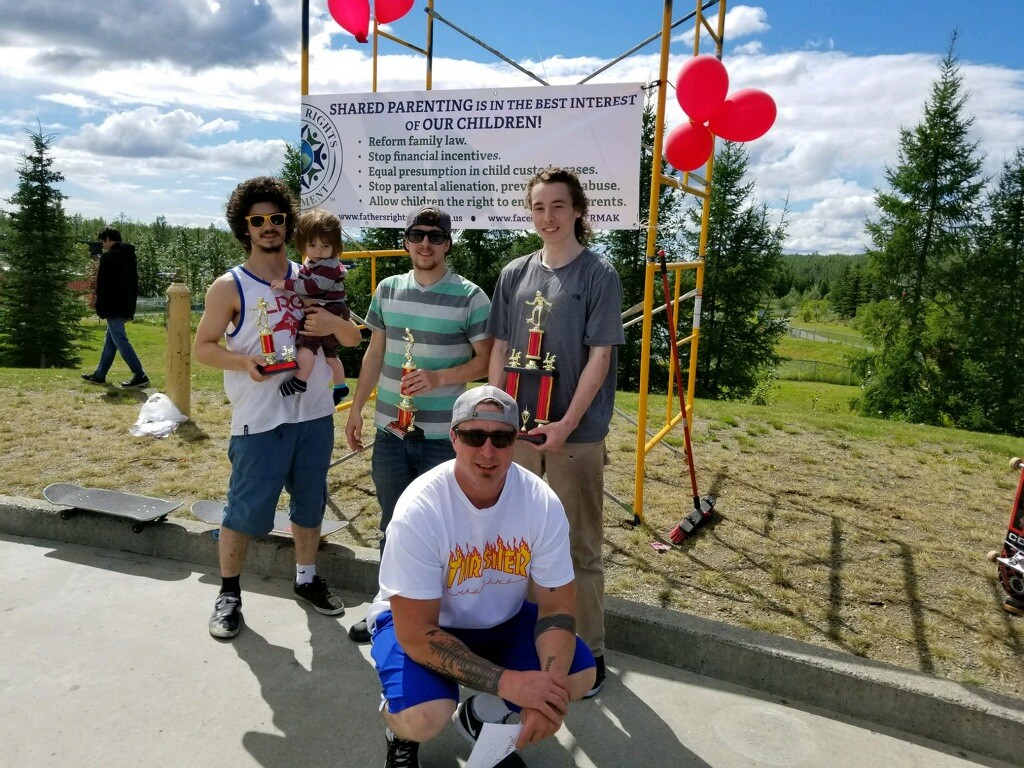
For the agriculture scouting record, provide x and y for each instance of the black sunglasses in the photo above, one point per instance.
(475, 438)
(417, 235)
(257, 219)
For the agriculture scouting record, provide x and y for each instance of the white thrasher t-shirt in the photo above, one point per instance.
(477, 561)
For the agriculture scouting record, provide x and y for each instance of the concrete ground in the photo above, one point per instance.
(105, 660)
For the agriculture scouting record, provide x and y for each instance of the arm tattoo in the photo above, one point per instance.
(558, 621)
(456, 661)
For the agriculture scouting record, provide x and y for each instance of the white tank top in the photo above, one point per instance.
(259, 406)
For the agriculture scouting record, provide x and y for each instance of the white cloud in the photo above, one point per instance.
(193, 96)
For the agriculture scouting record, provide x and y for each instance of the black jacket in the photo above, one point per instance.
(117, 282)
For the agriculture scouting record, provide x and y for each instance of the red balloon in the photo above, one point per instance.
(701, 87)
(353, 16)
(745, 116)
(688, 146)
(387, 11)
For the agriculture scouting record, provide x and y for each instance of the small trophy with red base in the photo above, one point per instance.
(404, 427)
(272, 363)
(544, 368)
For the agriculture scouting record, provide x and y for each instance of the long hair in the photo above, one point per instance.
(552, 175)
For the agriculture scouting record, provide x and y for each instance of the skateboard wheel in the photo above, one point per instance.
(137, 528)
(991, 556)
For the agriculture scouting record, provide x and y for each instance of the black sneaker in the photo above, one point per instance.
(599, 682)
(227, 615)
(136, 381)
(317, 594)
(1013, 605)
(339, 393)
(402, 753)
(360, 632)
(468, 726)
(92, 378)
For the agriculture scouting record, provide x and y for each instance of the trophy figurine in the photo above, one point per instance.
(540, 306)
(271, 362)
(404, 427)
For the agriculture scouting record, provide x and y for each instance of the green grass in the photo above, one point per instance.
(816, 351)
(149, 338)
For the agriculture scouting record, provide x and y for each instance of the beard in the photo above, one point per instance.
(268, 247)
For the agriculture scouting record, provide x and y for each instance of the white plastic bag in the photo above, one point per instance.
(159, 417)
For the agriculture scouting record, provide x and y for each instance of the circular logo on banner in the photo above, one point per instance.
(321, 157)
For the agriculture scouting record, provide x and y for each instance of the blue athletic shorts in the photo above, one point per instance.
(292, 457)
(404, 683)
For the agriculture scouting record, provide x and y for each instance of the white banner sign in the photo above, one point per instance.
(371, 158)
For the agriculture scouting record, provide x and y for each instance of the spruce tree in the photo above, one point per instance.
(924, 220)
(738, 333)
(40, 314)
(988, 315)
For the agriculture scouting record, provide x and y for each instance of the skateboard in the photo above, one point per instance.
(144, 510)
(1010, 559)
(212, 512)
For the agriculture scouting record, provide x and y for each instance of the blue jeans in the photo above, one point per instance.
(396, 463)
(116, 340)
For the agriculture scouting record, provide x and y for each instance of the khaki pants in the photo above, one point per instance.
(575, 473)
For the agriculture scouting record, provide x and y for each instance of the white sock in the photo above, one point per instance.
(489, 708)
(304, 573)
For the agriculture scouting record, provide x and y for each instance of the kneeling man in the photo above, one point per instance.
(466, 541)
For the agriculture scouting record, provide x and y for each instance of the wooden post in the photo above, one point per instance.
(179, 345)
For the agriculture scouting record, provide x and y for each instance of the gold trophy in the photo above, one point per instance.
(536, 366)
(404, 427)
(272, 363)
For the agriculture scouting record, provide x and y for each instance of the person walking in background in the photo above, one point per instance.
(117, 292)
(447, 317)
(277, 443)
(581, 294)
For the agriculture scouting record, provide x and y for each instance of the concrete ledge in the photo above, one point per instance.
(969, 718)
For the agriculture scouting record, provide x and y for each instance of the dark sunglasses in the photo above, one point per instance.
(257, 219)
(475, 438)
(417, 235)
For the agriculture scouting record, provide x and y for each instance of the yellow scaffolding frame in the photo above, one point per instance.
(699, 186)
(692, 183)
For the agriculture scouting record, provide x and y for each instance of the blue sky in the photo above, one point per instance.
(161, 111)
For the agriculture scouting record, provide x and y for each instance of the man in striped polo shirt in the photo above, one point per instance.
(447, 316)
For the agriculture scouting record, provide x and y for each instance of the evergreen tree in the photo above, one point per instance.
(738, 333)
(291, 169)
(478, 255)
(989, 310)
(627, 250)
(40, 315)
(924, 219)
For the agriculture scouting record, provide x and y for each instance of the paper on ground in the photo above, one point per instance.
(495, 743)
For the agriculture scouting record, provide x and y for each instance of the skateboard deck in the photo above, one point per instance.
(212, 512)
(142, 509)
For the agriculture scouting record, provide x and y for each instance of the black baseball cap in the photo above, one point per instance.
(432, 216)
